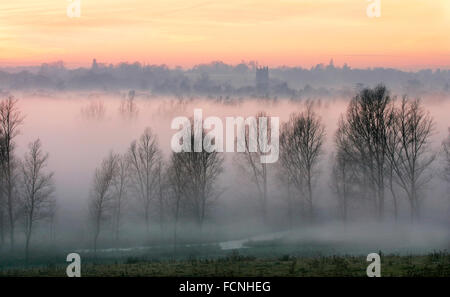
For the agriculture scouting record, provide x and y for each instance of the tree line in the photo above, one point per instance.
(26, 185)
(184, 187)
(383, 145)
(382, 154)
(382, 151)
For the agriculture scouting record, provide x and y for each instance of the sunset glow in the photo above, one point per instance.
(409, 34)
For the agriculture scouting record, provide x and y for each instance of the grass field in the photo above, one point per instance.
(235, 265)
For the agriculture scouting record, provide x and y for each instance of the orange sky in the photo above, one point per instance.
(409, 34)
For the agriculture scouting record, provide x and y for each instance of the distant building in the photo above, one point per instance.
(262, 80)
(94, 64)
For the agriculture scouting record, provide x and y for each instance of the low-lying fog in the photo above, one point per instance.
(77, 139)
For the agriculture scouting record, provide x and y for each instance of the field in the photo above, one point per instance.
(269, 256)
(235, 265)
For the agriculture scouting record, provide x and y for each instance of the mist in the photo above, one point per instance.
(79, 129)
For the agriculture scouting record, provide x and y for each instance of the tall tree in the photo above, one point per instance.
(365, 129)
(161, 189)
(287, 193)
(120, 194)
(102, 194)
(2, 222)
(36, 190)
(391, 176)
(10, 121)
(52, 220)
(144, 156)
(128, 108)
(252, 165)
(177, 186)
(408, 146)
(343, 175)
(446, 153)
(202, 170)
(301, 144)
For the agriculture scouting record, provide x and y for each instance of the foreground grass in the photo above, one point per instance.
(431, 265)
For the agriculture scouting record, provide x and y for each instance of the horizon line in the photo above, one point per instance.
(78, 65)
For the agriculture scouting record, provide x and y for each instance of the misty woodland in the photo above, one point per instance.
(379, 166)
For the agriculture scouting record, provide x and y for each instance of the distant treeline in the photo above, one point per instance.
(219, 79)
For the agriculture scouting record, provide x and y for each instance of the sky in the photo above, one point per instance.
(409, 34)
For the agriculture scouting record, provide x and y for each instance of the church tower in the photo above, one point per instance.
(262, 80)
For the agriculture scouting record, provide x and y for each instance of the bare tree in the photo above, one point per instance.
(2, 222)
(161, 185)
(10, 120)
(288, 193)
(365, 130)
(144, 157)
(191, 179)
(102, 194)
(2, 202)
(343, 175)
(128, 108)
(202, 169)
(408, 145)
(390, 170)
(95, 110)
(36, 190)
(391, 176)
(52, 217)
(2, 211)
(446, 160)
(120, 195)
(252, 165)
(446, 153)
(347, 179)
(177, 181)
(301, 144)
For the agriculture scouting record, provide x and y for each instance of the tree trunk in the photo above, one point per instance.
(289, 211)
(264, 203)
(96, 234)
(310, 197)
(413, 199)
(27, 246)
(147, 218)
(28, 232)
(161, 218)
(412, 211)
(202, 210)
(11, 220)
(394, 196)
(380, 195)
(161, 203)
(177, 207)
(52, 229)
(344, 195)
(117, 227)
(2, 230)
(95, 244)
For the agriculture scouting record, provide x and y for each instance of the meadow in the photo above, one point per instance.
(235, 265)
